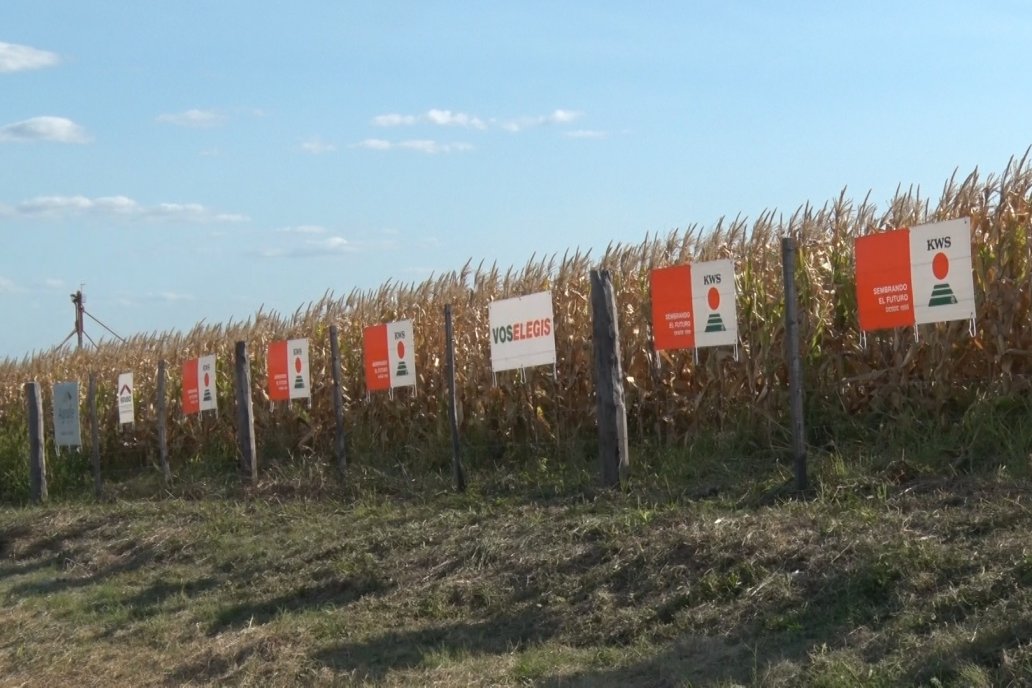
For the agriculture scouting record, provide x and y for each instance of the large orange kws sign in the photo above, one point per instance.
(389, 355)
(287, 368)
(913, 276)
(884, 292)
(199, 385)
(693, 306)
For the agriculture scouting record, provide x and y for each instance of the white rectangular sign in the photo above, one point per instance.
(713, 303)
(522, 332)
(66, 415)
(288, 371)
(206, 383)
(401, 353)
(126, 409)
(940, 268)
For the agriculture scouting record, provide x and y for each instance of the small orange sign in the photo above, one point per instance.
(672, 318)
(191, 393)
(376, 358)
(884, 289)
(276, 367)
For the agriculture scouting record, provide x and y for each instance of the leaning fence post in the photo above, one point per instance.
(245, 414)
(98, 485)
(453, 409)
(339, 438)
(612, 413)
(795, 362)
(37, 449)
(161, 410)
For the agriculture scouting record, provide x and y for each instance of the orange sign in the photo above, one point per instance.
(884, 290)
(672, 319)
(376, 357)
(276, 367)
(288, 371)
(191, 391)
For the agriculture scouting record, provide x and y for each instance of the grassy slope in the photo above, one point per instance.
(873, 584)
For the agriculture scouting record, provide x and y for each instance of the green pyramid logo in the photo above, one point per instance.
(402, 369)
(942, 295)
(715, 323)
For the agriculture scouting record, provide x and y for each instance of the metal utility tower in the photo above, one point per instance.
(79, 302)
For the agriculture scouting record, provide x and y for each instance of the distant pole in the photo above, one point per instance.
(795, 362)
(37, 449)
(77, 300)
(160, 407)
(245, 414)
(612, 413)
(98, 485)
(339, 439)
(453, 408)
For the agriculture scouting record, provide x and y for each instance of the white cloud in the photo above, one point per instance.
(310, 247)
(46, 128)
(18, 58)
(556, 117)
(197, 119)
(375, 144)
(447, 118)
(428, 146)
(58, 207)
(433, 147)
(53, 283)
(310, 242)
(587, 134)
(334, 244)
(303, 229)
(316, 146)
(7, 286)
(562, 117)
(394, 120)
(441, 118)
(169, 296)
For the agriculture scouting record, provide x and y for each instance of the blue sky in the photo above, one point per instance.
(191, 160)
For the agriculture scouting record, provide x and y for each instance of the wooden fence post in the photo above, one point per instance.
(37, 449)
(339, 439)
(98, 485)
(795, 362)
(453, 404)
(613, 453)
(245, 414)
(160, 407)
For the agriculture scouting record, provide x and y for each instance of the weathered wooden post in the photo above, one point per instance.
(37, 449)
(613, 453)
(339, 439)
(98, 485)
(795, 362)
(160, 409)
(453, 403)
(245, 414)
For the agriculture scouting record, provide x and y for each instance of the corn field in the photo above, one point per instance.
(945, 381)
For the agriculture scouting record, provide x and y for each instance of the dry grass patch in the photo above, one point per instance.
(928, 581)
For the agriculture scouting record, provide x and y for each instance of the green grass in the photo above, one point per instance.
(883, 576)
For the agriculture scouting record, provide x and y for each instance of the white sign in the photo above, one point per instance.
(401, 353)
(206, 383)
(66, 415)
(301, 379)
(713, 303)
(940, 268)
(522, 332)
(125, 399)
